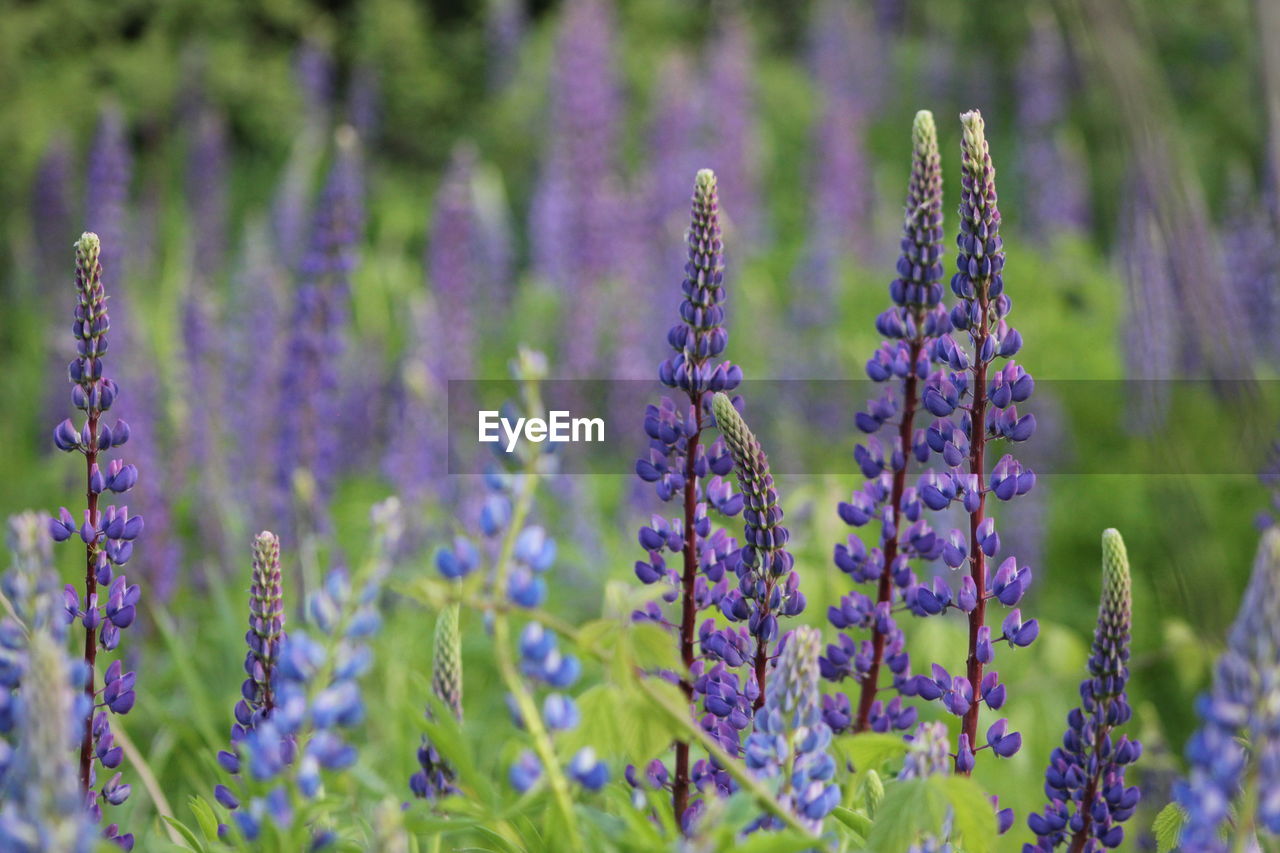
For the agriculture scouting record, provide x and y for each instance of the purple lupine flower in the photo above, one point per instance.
(791, 739)
(680, 466)
(265, 634)
(308, 437)
(108, 532)
(1249, 240)
(109, 175)
(1238, 743)
(314, 73)
(1054, 179)
(732, 135)
(573, 210)
(52, 215)
(41, 705)
(314, 686)
(159, 563)
(767, 584)
(985, 398)
(206, 185)
(504, 27)
(454, 271)
(841, 200)
(1151, 327)
(912, 325)
(1085, 779)
(435, 778)
(364, 102)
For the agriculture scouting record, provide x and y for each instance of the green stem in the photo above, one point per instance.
(542, 744)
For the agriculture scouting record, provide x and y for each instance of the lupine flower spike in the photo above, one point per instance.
(680, 466)
(435, 779)
(767, 584)
(791, 739)
(1238, 744)
(983, 399)
(912, 326)
(108, 534)
(1088, 799)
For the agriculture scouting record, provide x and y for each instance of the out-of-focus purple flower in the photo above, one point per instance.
(1088, 799)
(504, 27)
(1239, 740)
(364, 102)
(309, 395)
(42, 705)
(52, 214)
(732, 134)
(1054, 179)
(1252, 245)
(314, 73)
(571, 221)
(1152, 327)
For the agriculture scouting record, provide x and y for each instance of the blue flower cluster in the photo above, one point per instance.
(1088, 799)
(42, 708)
(1240, 732)
(902, 363)
(281, 754)
(791, 738)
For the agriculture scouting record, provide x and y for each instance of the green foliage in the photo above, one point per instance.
(1168, 826)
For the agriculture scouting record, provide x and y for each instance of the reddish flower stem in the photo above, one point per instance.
(977, 559)
(870, 684)
(688, 606)
(90, 586)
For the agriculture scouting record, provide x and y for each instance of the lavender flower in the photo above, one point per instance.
(732, 135)
(504, 26)
(108, 533)
(912, 326)
(455, 273)
(1238, 744)
(314, 73)
(206, 185)
(1085, 781)
(791, 739)
(677, 463)
(574, 204)
(1151, 315)
(52, 216)
(1054, 179)
(316, 692)
(986, 401)
(41, 706)
(109, 175)
(435, 779)
(308, 438)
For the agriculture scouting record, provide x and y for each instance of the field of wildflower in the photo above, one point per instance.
(640, 425)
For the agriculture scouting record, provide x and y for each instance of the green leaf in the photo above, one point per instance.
(598, 710)
(1168, 827)
(653, 648)
(973, 818)
(207, 820)
(856, 821)
(186, 833)
(911, 808)
(600, 634)
(869, 750)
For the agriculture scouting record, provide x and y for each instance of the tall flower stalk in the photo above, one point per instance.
(912, 326)
(767, 585)
(678, 466)
(435, 777)
(1085, 778)
(983, 400)
(1234, 758)
(108, 533)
